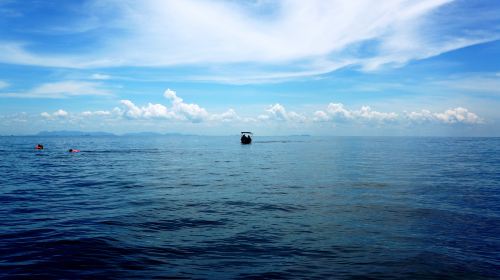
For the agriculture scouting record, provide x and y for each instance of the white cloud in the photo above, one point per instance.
(156, 111)
(321, 116)
(368, 114)
(451, 116)
(131, 110)
(458, 115)
(3, 84)
(179, 110)
(486, 83)
(17, 53)
(59, 114)
(338, 113)
(277, 112)
(283, 38)
(334, 111)
(95, 113)
(191, 112)
(296, 117)
(228, 116)
(191, 31)
(422, 116)
(98, 76)
(68, 88)
(61, 90)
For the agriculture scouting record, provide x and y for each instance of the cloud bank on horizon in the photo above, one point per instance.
(411, 58)
(179, 111)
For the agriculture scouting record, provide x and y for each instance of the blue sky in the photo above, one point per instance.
(429, 67)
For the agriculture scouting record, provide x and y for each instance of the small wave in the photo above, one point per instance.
(265, 206)
(168, 225)
(177, 224)
(279, 141)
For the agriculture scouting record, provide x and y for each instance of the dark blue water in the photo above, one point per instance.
(281, 208)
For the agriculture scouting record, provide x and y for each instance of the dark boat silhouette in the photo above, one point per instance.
(246, 137)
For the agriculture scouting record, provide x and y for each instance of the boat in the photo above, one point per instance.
(246, 137)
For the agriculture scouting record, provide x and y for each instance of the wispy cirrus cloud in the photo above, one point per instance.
(486, 83)
(99, 76)
(281, 40)
(61, 89)
(4, 84)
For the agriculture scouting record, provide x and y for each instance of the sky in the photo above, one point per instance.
(363, 67)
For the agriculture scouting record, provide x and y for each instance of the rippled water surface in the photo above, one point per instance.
(281, 208)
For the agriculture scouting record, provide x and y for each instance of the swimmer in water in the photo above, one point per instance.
(39, 147)
(73, 151)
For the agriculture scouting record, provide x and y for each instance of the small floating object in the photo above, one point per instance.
(73, 151)
(246, 137)
(39, 147)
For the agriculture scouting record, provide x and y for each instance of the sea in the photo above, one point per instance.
(206, 207)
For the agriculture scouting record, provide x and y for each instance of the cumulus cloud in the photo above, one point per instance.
(422, 116)
(150, 111)
(368, 114)
(277, 112)
(338, 113)
(189, 111)
(60, 113)
(457, 115)
(95, 113)
(228, 116)
(55, 115)
(334, 111)
(178, 110)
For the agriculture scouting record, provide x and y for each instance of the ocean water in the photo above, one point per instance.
(280, 208)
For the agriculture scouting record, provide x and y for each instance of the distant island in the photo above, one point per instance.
(152, 134)
(78, 133)
(73, 133)
(68, 133)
